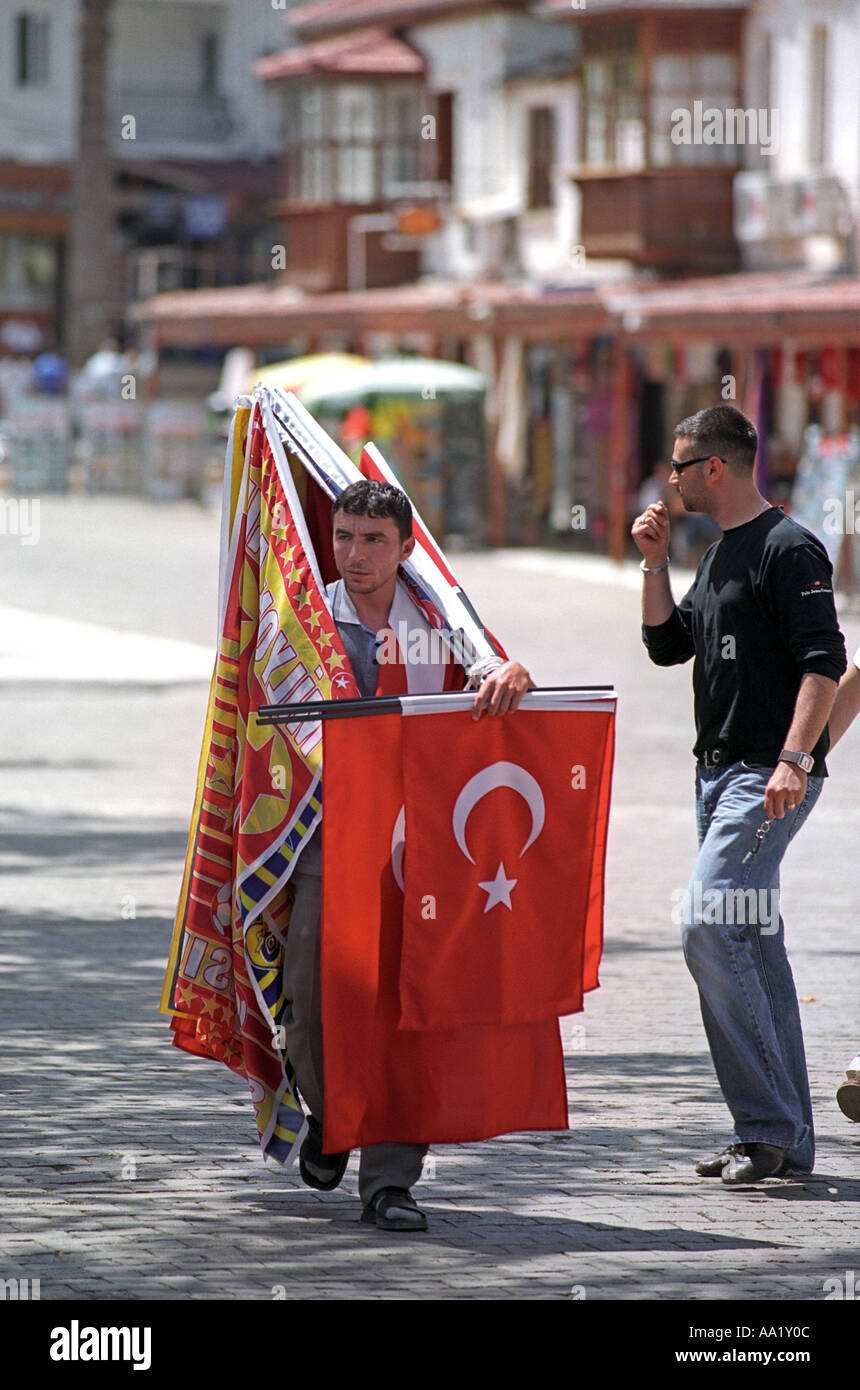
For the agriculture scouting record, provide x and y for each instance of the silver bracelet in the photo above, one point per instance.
(659, 570)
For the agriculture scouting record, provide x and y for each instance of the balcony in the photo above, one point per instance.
(166, 118)
(665, 219)
(322, 255)
(332, 186)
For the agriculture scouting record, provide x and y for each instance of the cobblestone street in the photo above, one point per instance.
(131, 1170)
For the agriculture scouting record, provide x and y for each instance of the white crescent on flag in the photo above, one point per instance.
(500, 774)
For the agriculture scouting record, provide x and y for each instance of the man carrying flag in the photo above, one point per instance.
(373, 613)
(403, 971)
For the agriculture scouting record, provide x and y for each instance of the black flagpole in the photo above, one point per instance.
(310, 710)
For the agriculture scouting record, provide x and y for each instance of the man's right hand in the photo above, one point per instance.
(650, 531)
(501, 691)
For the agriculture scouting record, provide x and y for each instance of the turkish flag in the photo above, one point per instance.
(384, 1083)
(505, 838)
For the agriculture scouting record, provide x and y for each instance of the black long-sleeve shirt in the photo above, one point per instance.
(759, 616)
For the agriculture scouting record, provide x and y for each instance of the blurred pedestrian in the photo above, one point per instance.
(101, 376)
(51, 373)
(655, 488)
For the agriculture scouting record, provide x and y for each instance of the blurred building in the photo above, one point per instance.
(194, 140)
(619, 211)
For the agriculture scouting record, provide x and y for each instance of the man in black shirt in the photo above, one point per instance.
(761, 623)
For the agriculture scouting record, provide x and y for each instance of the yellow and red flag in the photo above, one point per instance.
(259, 792)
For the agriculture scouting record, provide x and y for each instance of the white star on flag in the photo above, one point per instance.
(498, 890)
(342, 681)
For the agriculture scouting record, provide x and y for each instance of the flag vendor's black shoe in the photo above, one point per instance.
(321, 1171)
(394, 1209)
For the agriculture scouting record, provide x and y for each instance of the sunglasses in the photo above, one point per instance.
(688, 463)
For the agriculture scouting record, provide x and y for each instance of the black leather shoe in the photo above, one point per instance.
(319, 1170)
(713, 1167)
(752, 1162)
(394, 1209)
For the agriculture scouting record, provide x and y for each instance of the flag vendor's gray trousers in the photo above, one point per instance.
(381, 1165)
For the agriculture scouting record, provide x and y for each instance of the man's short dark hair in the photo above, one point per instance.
(372, 498)
(724, 431)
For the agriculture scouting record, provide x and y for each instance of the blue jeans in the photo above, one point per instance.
(734, 946)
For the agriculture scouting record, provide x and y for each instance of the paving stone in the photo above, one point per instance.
(94, 800)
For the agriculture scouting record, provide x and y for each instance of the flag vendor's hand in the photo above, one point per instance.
(501, 691)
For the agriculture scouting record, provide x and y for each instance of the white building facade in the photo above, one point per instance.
(182, 105)
(181, 68)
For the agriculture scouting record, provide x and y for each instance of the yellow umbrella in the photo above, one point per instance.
(300, 372)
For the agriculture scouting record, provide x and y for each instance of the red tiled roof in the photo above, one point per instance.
(320, 16)
(287, 299)
(756, 307)
(725, 298)
(262, 314)
(364, 53)
(325, 16)
(606, 7)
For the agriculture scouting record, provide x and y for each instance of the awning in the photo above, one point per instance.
(757, 308)
(764, 307)
(265, 315)
(627, 7)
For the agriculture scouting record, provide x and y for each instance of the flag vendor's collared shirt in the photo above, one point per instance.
(361, 647)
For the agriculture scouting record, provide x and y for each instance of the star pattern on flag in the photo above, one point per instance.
(294, 576)
(221, 773)
(341, 681)
(335, 661)
(498, 890)
(303, 598)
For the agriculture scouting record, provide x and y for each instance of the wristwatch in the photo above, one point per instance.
(804, 761)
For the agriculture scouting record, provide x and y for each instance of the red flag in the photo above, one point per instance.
(593, 948)
(383, 1083)
(503, 880)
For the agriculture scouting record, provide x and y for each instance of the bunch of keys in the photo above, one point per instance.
(759, 836)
